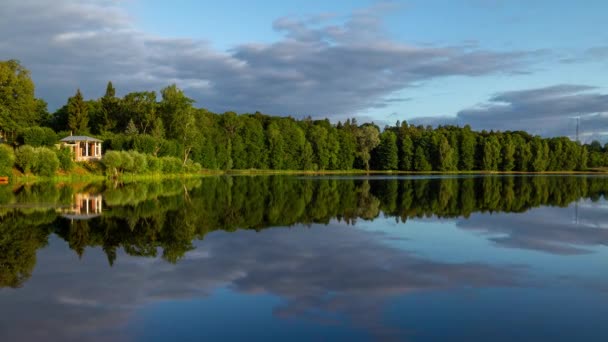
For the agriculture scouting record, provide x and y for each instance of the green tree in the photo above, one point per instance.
(406, 155)
(540, 155)
(7, 158)
(78, 115)
(421, 162)
(508, 154)
(467, 149)
(348, 149)
(141, 108)
(387, 152)
(318, 137)
(276, 146)
(445, 155)
(18, 106)
(110, 113)
(179, 117)
(367, 137)
(491, 153)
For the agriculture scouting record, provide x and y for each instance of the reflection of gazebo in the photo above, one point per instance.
(84, 148)
(84, 207)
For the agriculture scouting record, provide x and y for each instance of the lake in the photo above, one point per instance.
(352, 258)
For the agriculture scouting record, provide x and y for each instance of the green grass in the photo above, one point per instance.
(396, 172)
(84, 173)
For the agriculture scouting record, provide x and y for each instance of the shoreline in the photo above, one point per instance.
(19, 178)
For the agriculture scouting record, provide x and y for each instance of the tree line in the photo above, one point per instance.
(170, 125)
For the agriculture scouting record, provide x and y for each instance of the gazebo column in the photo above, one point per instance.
(86, 148)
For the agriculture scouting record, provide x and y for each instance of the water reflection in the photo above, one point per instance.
(169, 241)
(142, 218)
(85, 206)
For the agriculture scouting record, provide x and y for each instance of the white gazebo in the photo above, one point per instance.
(84, 148)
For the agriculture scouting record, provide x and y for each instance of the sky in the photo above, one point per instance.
(492, 64)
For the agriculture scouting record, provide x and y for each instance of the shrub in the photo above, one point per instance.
(7, 158)
(47, 162)
(37, 136)
(154, 164)
(127, 164)
(170, 148)
(144, 143)
(65, 156)
(26, 158)
(117, 142)
(112, 161)
(192, 166)
(171, 165)
(140, 163)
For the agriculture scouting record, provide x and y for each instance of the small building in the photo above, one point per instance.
(84, 148)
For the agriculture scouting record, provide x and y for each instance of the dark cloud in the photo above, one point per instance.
(545, 111)
(320, 67)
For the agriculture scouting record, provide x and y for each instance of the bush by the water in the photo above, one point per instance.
(116, 162)
(25, 158)
(7, 158)
(42, 161)
(66, 158)
(47, 162)
(171, 165)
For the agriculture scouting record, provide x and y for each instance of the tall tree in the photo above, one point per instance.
(231, 124)
(179, 117)
(78, 114)
(467, 149)
(406, 147)
(508, 154)
(386, 152)
(491, 153)
(110, 110)
(18, 106)
(141, 107)
(445, 155)
(421, 162)
(368, 137)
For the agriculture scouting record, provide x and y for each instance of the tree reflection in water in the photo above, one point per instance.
(166, 217)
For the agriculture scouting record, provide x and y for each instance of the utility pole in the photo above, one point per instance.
(578, 127)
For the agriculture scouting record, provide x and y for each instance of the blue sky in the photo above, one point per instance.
(432, 62)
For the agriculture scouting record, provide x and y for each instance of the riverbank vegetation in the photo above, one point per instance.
(160, 129)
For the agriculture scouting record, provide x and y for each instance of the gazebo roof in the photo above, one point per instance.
(76, 138)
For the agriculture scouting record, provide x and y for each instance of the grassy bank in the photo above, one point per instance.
(83, 174)
(379, 172)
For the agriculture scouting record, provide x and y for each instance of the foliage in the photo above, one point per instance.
(19, 108)
(78, 114)
(172, 127)
(112, 160)
(26, 158)
(42, 161)
(66, 158)
(171, 165)
(37, 136)
(386, 156)
(7, 158)
(46, 163)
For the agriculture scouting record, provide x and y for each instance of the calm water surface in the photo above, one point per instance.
(307, 258)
